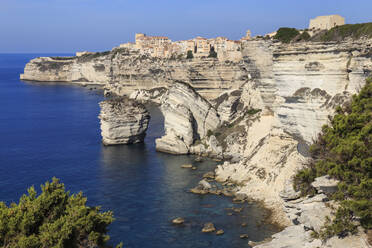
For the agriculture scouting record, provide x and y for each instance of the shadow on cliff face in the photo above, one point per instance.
(156, 125)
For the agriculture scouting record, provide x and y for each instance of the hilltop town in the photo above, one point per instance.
(224, 48)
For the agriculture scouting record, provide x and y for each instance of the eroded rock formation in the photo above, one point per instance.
(123, 121)
(187, 117)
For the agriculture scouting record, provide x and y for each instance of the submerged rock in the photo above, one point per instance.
(123, 121)
(244, 236)
(187, 166)
(198, 159)
(203, 187)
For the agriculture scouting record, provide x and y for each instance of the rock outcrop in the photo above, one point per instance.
(308, 214)
(187, 117)
(325, 184)
(154, 95)
(123, 121)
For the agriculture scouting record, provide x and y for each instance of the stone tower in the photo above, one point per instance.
(248, 34)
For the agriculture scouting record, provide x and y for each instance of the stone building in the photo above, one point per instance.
(326, 22)
(161, 46)
(78, 54)
(247, 35)
(144, 41)
(130, 45)
(202, 46)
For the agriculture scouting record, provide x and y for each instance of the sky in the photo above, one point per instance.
(67, 26)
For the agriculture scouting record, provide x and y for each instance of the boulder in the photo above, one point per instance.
(123, 121)
(178, 221)
(209, 175)
(205, 185)
(313, 212)
(208, 227)
(288, 193)
(325, 184)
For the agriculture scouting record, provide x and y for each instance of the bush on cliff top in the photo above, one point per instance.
(354, 31)
(286, 35)
(344, 151)
(212, 53)
(53, 219)
(189, 54)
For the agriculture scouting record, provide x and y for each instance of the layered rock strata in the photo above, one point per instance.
(123, 121)
(187, 117)
(123, 71)
(153, 95)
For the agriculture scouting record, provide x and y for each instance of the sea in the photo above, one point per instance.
(52, 130)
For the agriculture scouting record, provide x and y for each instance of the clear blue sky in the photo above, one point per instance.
(97, 25)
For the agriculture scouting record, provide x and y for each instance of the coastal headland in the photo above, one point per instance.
(256, 105)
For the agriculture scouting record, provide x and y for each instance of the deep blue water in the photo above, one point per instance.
(51, 130)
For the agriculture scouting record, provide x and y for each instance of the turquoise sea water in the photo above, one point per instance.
(51, 130)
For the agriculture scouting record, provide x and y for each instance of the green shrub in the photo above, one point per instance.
(209, 133)
(305, 36)
(189, 55)
(53, 219)
(63, 58)
(253, 111)
(344, 151)
(212, 53)
(286, 35)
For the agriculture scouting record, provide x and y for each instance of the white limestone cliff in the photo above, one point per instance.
(187, 117)
(123, 121)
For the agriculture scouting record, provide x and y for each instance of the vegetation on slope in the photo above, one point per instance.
(354, 31)
(344, 151)
(189, 54)
(212, 53)
(286, 35)
(53, 219)
(338, 33)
